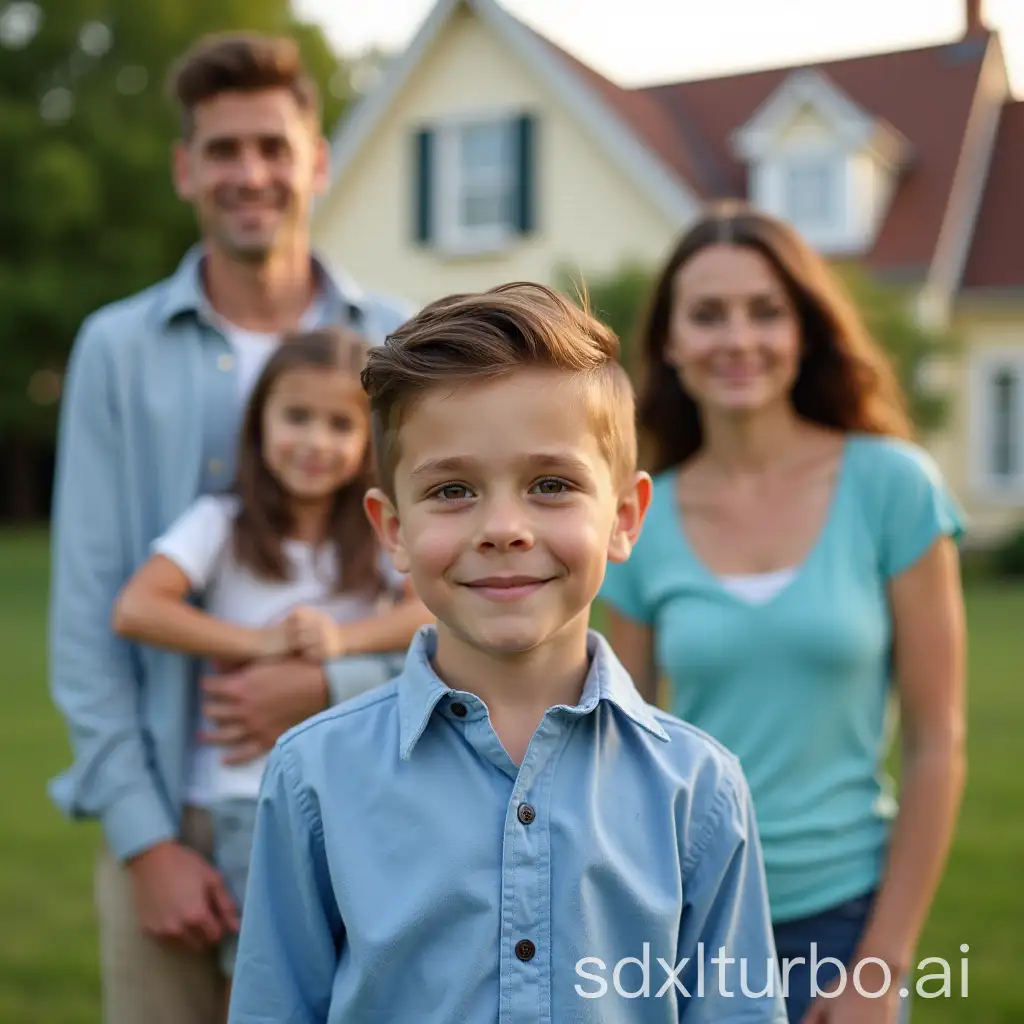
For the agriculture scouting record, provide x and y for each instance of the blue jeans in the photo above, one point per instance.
(234, 820)
(832, 933)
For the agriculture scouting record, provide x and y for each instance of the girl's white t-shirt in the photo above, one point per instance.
(199, 543)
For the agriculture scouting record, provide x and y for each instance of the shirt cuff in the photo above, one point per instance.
(135, 823)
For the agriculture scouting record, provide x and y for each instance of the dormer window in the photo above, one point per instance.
(812, 192)
(818, 161)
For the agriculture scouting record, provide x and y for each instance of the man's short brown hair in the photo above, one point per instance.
(240, 62)
(478, 336)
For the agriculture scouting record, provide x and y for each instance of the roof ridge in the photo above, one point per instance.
(820, 65)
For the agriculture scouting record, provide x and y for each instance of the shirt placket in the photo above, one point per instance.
(221, 412)
(526, 960)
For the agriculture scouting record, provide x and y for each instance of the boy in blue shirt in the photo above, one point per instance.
(507, 831)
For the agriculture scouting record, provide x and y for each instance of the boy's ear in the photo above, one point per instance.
(383, 516)
(634, 500)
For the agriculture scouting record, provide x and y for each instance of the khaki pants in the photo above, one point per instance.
(145, 982)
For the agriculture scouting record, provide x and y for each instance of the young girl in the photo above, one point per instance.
(287, 565)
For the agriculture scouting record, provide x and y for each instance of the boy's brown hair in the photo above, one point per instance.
(240, 62)
(483, 335)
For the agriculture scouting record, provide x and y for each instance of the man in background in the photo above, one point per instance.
(155, 388)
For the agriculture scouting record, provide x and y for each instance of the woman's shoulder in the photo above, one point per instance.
(664, 505)
(666, 482)
(905, 495)
(883, 461)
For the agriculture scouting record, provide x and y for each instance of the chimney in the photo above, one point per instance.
(975, 19)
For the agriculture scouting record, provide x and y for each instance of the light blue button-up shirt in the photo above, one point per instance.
(406, 870)
(149, 421)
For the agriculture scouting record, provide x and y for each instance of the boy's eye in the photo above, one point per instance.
(296, 414)
(552, 485)
(452, 492)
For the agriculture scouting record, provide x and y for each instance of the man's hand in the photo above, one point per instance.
(314, 635)
(850, 1007)
(181, 898)
(251, 707)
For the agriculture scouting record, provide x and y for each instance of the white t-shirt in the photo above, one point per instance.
(252, 349)
(199, 543)
(759, 588)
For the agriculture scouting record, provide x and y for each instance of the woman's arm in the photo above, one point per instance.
(930, 646)
(633, 644)
(153, 609)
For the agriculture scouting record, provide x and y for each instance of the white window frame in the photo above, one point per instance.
(984, 367)
(772, 183)
(454, 236)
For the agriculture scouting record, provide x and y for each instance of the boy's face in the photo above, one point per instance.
(507, 510)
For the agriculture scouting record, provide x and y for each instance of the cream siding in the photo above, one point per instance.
(986, 331)
(589, 215)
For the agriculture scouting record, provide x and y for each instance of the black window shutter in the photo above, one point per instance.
(525, 212)
(423, 185)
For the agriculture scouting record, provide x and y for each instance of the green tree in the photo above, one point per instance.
(619, 299)
(87, 210)
(913, 348)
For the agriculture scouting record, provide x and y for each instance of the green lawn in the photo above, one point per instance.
(48, 963)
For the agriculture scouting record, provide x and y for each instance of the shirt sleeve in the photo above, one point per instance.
(726, 951)
(291, 927)
(92, 675)
(198, 538)
(918, 509)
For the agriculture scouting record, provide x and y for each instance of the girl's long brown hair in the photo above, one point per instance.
(264, 520)
(845, 380)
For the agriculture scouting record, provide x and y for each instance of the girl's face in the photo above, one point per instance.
(316, 429)
(734, 336)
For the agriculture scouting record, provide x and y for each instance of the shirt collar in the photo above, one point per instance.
(344, 300)
(420, 689)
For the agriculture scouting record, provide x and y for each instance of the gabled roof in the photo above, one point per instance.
(611, 127)
(921, 101)
(811, 86)
(997, 255)
(677, 140)
(925, 94)
(660, 130)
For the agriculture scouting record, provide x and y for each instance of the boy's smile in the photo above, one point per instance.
(508, 510)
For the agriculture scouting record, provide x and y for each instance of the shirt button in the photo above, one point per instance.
(215, 466)
(459, 709)
(526, 813)
(525, 950)
(225, 362)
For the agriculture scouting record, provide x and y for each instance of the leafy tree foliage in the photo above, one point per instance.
(87, 209)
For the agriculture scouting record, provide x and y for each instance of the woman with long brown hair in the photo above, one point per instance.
(796, 574)
(287, 565)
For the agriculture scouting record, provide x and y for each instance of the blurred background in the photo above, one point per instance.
(564, 141)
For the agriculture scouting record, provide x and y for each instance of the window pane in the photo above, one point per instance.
(811, 192)
(484, 208)
(484, 148)
(1005, 387)
(486, 174)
